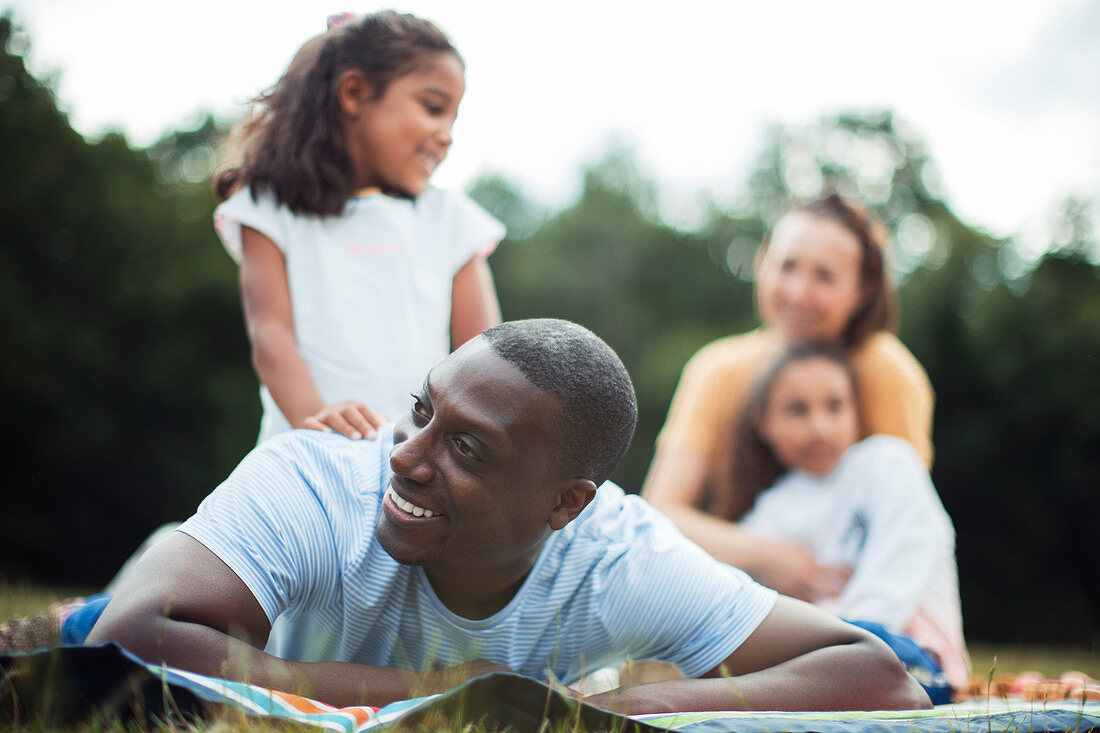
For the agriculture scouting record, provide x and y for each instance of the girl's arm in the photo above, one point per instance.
(909, 535)
(675, 485)
(474, 305)
(269, 319)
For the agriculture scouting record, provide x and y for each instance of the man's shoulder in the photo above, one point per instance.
(611, 513)
(657, 593)
(339, 464)
(620, 527)
(308, 483)
(323, 446)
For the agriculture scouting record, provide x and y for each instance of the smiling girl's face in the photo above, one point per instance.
(398, 139)
(810, 418)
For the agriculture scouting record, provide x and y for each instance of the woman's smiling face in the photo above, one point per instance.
(808, 280)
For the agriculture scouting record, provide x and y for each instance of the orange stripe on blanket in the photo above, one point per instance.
(362, 714)
(303, 704)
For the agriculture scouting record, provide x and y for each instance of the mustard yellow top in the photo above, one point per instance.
(895, 396)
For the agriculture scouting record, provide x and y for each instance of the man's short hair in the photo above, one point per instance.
(599, 409)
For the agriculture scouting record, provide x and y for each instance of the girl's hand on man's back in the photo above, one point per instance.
(350, 418)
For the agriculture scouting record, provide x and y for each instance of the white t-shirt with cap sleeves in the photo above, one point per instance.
(370, 289)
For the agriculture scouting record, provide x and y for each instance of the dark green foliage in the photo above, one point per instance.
(655, 294)
(125, 376)
(129, 395)
(1018, 447)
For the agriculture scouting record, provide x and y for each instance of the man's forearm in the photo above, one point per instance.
(203, 650)
(858, 676)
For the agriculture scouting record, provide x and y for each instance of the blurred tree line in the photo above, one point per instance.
(129, 394)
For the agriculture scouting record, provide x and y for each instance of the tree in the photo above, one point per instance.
(654, 293)
(127, 388)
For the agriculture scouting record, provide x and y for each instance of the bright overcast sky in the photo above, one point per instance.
(1005, 94)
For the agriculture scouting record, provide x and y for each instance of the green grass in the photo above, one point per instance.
(19, 599)
(1047, 660)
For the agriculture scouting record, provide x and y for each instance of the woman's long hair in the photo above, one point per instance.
(292, 143)
(752, 467)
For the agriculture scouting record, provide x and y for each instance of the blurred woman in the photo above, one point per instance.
(820, 278)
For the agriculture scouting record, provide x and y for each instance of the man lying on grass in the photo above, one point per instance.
(471, 538)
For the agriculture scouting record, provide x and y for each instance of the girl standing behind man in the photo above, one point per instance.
(356, 275)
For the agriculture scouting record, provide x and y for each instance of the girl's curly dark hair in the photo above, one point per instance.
(292, 143)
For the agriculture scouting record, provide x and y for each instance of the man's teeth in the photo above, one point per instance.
(408, 507)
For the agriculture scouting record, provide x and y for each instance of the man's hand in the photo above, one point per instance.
(351, 419)
(799, 658)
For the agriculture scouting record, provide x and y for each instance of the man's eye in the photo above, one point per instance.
(464, 448)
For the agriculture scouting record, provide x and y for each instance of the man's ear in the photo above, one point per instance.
(353, 90)
(571, 501)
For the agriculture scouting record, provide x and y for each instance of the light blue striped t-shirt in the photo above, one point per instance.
(296, 522)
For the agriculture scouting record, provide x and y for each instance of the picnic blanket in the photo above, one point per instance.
(66, 685)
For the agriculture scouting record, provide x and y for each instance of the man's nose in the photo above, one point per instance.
(411, 458)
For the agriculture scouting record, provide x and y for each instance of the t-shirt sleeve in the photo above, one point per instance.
(266, 524)
(896, 397)
(240, 210)
(908, 534)
(473, 231)
(669, 600)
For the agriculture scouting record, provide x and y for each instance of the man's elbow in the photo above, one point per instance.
(891, 686)
(136, 633)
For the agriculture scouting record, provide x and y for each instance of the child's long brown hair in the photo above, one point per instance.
(752, 466)
(292, 143)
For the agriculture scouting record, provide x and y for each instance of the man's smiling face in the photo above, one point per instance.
(475, 482)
